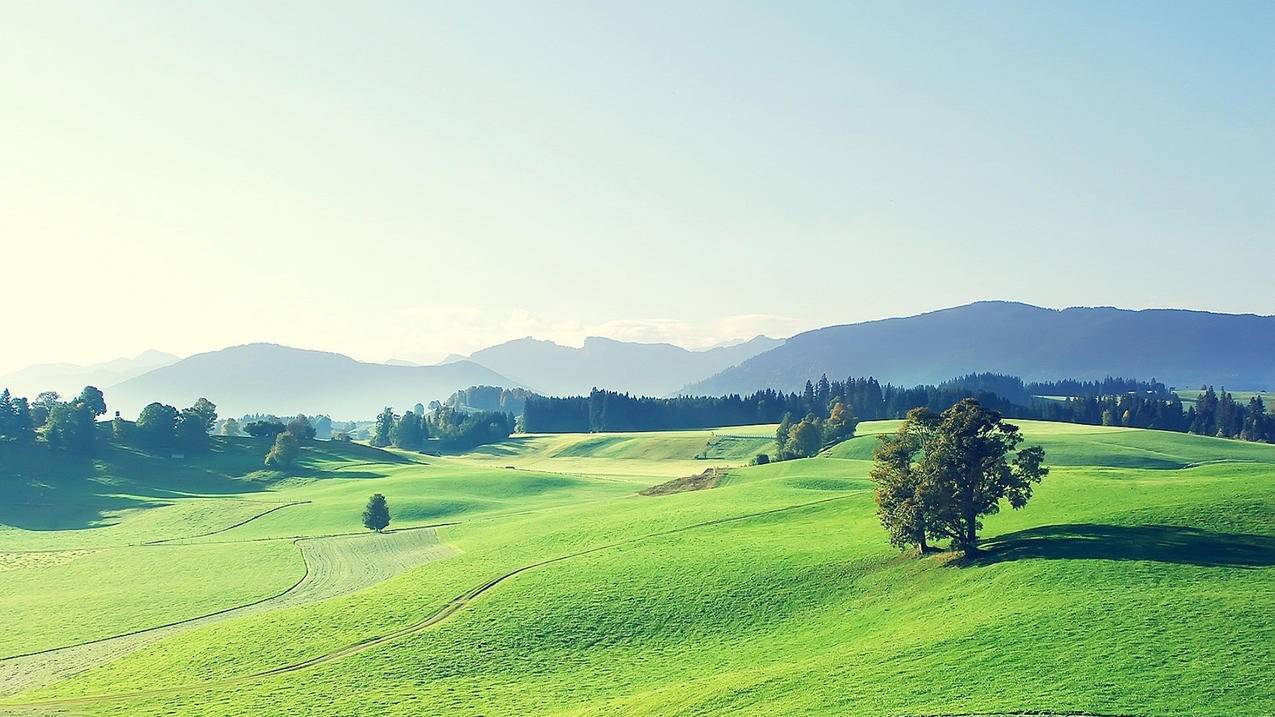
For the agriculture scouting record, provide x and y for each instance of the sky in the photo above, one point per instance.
(410, 180)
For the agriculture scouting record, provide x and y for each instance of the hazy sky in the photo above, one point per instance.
(414, 179)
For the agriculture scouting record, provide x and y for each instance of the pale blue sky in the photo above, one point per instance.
(413, 179)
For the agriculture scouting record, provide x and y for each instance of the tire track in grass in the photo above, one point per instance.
(453, 606)
(163, 541)
(334, 566)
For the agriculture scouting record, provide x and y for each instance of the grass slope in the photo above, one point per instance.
(1139, 582)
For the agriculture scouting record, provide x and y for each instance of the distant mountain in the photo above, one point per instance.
(400, 362)
(68, 378)
(1180, 348)
(269, 378)
(649, 369)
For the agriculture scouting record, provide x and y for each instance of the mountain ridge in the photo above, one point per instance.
(655, 369)
(1176, 346)
(68, 378)
(267, 377)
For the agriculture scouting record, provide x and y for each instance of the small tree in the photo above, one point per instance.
(840, 424)
(301, 428)
(376, 516)
(206, 412)
(383, 433)
(230, 427)
(70, 426)
(120, 430)
(191, 431)
(93, 400)
(408, 433)
(264, 429)
(284, 451)
(20, 426)
(322, 427)
(43, 405)
(804, 440)
(781, 435)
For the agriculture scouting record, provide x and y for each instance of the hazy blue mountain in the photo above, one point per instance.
(68, 378)
(277, 379)
(1181, 348)
(650, 369)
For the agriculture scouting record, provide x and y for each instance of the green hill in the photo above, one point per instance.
(1139, 581)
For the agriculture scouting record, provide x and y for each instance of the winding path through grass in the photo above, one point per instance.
(335, 566)
(447, 610)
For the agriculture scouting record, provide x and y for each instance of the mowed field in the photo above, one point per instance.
(531, 578)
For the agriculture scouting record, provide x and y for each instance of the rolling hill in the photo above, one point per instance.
(529, 578)
(649, 369)
(284, 380)
(1181, 348)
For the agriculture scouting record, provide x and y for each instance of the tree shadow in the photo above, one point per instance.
(1160, 543)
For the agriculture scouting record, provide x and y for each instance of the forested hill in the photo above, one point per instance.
(1180, 348)
(284, 380)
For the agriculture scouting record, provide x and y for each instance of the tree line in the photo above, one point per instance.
(1148, 404)
(866, 398)
(72, 426)
(443, 426)
(490, 398)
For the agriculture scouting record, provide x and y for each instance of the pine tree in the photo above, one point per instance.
(376, 516)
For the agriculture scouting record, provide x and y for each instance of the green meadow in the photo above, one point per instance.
(530, 577)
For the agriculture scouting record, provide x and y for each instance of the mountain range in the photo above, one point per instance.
(269, 378)
(647, 369)
(1179, 347)
(68, 378)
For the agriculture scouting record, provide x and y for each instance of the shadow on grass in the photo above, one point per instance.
(1161, 543)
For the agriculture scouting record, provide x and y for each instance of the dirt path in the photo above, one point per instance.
(335, 566)
(447, 610)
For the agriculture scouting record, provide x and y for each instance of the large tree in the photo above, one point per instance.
(70, 426)
(157, 425)
(938, 476)
(897, 473)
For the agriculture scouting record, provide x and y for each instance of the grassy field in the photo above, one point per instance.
(1140, 581)
(1189, 395)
